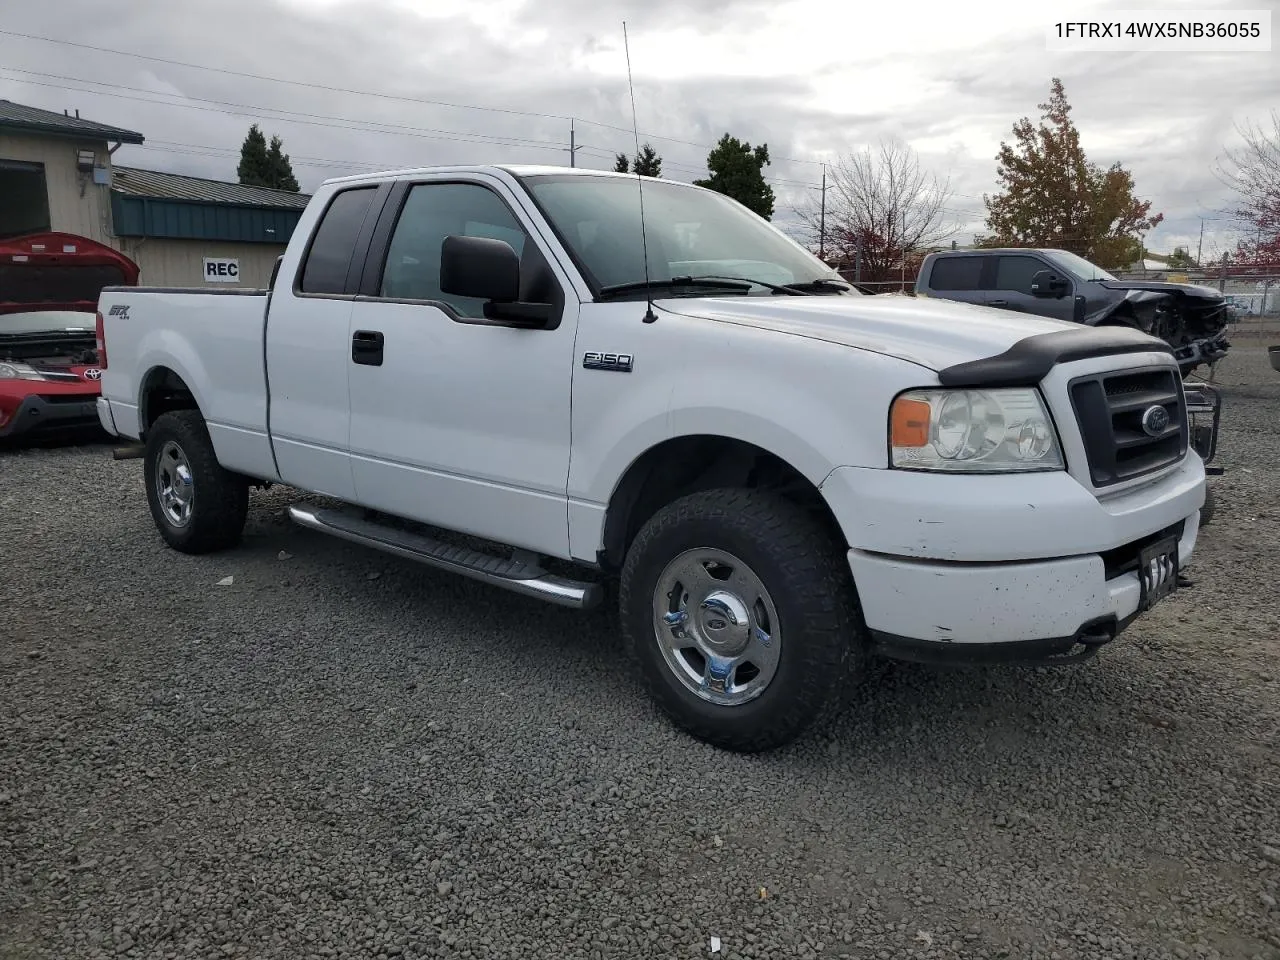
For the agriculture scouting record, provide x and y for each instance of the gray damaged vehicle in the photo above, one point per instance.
(1191, 318)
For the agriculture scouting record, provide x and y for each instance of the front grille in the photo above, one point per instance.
(1119, 423)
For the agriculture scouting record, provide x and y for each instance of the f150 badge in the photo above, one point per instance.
(617, 362)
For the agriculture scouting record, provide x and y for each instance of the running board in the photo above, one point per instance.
(513, 574)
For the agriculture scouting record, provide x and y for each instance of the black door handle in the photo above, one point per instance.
(997, 303)
(366, 347)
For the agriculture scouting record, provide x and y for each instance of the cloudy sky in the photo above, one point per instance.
(356, 85)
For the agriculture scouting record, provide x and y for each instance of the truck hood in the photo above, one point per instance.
(1194, 290)
(922, 330)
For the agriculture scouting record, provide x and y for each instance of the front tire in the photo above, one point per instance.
(741, 611)
(1210, 506)
(198, 506)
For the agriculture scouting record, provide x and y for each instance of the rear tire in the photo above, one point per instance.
(197, 505)
(743, 683)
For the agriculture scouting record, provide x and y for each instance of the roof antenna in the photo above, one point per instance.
(649, 315)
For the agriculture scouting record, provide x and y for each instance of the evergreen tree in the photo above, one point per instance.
(265, 166)
(253, 169)
(737, 170)
(279, 170)
(647, 162)
(621, 164)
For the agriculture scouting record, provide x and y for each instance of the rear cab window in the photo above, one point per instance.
(328, 260)
(956, 273)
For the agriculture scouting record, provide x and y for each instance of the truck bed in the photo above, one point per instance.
(195, 331)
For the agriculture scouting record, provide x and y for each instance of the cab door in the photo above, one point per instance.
(1009, 287)
(457, 420)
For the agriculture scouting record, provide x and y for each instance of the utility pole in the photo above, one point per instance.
(822, 223)
(573, 147)
(904, 250)
(1200, 245)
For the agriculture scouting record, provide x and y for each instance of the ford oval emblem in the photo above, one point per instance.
(1155, 421)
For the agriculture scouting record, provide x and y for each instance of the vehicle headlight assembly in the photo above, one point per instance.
(973, 431)
(19, 371)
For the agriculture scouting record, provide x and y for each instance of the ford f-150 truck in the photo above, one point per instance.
(500, 373)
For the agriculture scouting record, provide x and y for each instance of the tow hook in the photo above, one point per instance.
(1096, 635)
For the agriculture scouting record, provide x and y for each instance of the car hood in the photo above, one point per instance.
(1196, 290)
(932, 333)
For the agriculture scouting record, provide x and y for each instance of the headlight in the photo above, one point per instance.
(19, 371)
(973, 431)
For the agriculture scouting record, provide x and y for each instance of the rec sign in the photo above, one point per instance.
(221, 270)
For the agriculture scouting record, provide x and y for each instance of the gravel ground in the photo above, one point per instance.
(343, 754)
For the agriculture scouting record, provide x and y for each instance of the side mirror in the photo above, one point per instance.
(489, 270)
(1046, 283)
(481, 268)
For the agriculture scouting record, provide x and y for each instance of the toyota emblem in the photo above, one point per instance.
(93, 373)
(1155, 421)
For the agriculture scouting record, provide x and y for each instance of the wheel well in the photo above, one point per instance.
(163, 391)
(684, 465)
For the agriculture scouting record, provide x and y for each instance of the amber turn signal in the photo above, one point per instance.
(909, 423)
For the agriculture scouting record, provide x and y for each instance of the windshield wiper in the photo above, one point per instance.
(821, 283)
(791, 289)
(716, 282)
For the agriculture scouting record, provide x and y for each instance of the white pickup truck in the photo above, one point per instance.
(499, 357)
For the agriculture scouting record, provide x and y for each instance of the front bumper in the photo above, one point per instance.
(37, 415)
(975, 612)
(1004, 567)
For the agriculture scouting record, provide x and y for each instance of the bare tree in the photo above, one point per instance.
(881, 206)
(1252, 171)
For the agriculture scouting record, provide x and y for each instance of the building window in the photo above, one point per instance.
(24, 198)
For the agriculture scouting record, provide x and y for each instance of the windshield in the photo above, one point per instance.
(48, 321)
(1082, 268)
(690, 232)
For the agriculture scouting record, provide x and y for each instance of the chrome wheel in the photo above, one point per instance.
(717, 627)
(174, 488)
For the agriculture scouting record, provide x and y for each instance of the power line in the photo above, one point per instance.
(270, 79)
(345, 123)
(365, 93)
(309, 119)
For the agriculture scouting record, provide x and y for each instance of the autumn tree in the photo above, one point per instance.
(265, 166)
(1053, 196)
(737, 171)
(881, 207)
(1252, 171)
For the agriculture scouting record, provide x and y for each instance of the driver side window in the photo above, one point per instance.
(1015, 273)
(431, 212)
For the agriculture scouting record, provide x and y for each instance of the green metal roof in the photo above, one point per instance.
(155, 185)
(148, 203)
(24, 119)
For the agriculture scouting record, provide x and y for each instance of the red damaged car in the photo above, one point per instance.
(49, 376)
